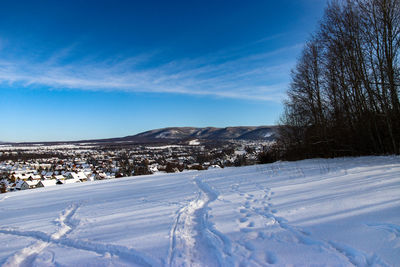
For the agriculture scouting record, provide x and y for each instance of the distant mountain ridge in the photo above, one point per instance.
(267, 133)
(178, 134)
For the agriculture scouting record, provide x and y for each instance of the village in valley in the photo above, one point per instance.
(29, 166)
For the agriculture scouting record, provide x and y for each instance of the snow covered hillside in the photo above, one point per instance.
(339, 212)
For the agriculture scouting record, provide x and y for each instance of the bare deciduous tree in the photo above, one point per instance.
(344, 95)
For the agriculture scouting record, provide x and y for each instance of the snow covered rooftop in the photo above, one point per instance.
(46, 183)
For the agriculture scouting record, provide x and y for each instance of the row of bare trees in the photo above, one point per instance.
(344, 95)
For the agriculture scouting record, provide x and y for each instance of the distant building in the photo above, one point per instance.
(47, 183)
(23, 185)
(80, 176)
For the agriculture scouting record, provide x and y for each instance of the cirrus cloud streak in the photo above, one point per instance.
(260, 76)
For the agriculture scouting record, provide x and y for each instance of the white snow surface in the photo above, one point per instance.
(321, 212)
(194, 142)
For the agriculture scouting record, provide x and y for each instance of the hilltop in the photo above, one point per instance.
(177, 134)
(182, 134)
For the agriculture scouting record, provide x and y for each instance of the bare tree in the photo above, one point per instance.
(344, 95)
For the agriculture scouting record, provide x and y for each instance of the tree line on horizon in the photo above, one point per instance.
(344, 94)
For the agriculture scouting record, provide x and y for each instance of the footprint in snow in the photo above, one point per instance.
(46, 258)
(249, 246)
(246, 230)
(270, 257)
(242, 220)
(251, 224)
(262, 235)
(242, 210)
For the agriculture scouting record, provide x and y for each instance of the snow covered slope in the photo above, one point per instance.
(339, 212)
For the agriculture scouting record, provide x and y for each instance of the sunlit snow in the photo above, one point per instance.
(339, 212)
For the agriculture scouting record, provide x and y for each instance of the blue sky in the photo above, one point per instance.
(74, 70)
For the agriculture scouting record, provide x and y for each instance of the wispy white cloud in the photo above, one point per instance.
(244, 77)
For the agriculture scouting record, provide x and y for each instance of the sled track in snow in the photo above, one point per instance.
(28, 255)
(193, 239)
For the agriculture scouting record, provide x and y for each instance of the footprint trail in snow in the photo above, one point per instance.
(194, 240)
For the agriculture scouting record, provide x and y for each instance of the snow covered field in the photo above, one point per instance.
(339, 212)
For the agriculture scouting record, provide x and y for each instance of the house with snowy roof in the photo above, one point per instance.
(32, 184)
(59, 177)
(78, 175)
(49, 175)
(71, 181)
(33, 177)
(23, 185)
(47, 183)
(19, 176)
